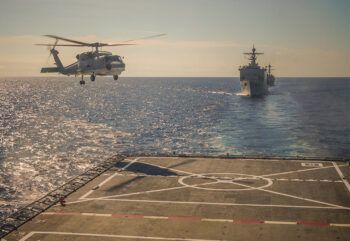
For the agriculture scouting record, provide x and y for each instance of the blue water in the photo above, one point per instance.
(52, 129)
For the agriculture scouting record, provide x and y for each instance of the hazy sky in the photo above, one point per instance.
(205, 37)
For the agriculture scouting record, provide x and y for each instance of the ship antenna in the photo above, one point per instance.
(253, 58)
(253, 55)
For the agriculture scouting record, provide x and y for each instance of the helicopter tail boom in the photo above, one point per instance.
(59, 69)
(49, 70)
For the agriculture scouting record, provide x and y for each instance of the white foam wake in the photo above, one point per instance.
(242, 94)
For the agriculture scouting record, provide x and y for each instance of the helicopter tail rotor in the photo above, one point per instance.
(50, 48)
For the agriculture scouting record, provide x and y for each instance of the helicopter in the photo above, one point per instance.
(93, 63)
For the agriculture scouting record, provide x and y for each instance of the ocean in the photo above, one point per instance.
(52, 129)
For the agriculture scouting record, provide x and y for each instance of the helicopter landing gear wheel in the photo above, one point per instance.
(92, 77)
(115, 77)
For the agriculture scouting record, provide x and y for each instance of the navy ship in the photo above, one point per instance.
(253, 78)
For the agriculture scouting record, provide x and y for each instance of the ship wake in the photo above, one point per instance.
(242, 94)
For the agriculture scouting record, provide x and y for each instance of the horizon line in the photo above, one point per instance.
(62, 76)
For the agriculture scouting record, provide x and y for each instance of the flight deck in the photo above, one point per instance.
(208, 199)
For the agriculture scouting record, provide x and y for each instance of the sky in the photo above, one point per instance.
(308, 38)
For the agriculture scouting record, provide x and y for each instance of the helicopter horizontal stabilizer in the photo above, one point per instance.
(49, 70)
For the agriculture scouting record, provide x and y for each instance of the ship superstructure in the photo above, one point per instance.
(270, 76)
(253, 78)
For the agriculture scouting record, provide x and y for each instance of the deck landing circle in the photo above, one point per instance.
(218, 178)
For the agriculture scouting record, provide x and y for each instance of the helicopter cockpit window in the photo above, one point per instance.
(115, 58)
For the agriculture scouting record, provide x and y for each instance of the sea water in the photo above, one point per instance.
(52, 129)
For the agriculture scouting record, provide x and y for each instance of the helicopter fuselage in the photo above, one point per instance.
(101, 63)
(89, 63)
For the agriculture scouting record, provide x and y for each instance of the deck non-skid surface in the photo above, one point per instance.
(173, 198)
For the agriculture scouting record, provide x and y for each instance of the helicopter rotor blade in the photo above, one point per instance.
(78, 45)
(48, 58)
(67, 45)
(130, 40)
(68, 40)
(102, 44)
(96, 44)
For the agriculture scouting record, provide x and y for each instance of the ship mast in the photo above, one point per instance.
(252, 57)
(269, 68)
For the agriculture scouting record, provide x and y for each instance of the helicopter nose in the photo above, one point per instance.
(117, 64)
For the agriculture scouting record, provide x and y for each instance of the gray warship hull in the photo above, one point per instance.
(253, 82)
(253, 78)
